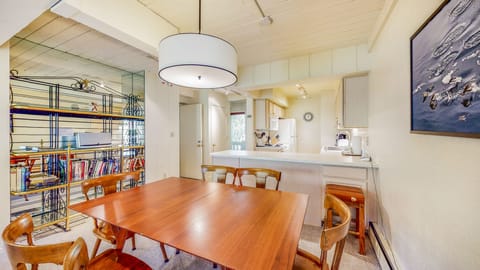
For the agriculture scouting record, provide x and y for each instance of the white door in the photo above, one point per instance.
(191, 141)
(219, 133)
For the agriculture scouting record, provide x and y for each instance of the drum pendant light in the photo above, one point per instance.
(197, 60)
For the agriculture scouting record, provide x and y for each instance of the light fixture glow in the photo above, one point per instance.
(302, 91)
(197, 60)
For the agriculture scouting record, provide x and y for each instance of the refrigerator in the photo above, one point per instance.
(287, 134)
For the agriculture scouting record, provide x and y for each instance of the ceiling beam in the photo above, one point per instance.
(127, 21)
(14, 15)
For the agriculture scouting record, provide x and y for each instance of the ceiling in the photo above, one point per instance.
(299, 27)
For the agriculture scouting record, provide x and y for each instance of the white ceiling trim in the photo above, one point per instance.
(14, 15)
(120, 20)
(382, 19)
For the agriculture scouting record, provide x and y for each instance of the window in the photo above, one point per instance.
(237, 130)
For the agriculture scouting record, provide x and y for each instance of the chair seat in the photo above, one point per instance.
(348, 194)
(105, 232)
(113, 259)
(302, 263)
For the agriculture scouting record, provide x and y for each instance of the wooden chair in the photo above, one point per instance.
(353, 197)
(330, 236)
(260, 175)
(110, 184)
(111, 259)
(73, 255)
(218, 172)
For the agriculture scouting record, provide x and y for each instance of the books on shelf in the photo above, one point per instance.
(38, 180)
(133, 164)
(22, 180)
(90, 168)
(18, 178)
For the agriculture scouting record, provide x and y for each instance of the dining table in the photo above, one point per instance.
(237, 227)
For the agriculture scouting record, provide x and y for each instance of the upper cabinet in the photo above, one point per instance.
(355, 101)
(267, 114)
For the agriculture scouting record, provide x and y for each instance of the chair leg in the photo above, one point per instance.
(177, 251)
(361, 222)
(164, 252)
(214, 265)
(95, 248)
(133, 243)
(357, 219)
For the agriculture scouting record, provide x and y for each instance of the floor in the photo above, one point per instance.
(149, 251)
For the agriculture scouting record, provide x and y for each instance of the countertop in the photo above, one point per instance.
(323, 158)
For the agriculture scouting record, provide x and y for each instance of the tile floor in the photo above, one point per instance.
(149, 251)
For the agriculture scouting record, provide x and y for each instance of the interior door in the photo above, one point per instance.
(219, 133)
(191, 141)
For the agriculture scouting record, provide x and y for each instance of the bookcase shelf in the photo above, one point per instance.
(19, 109)
(46, 170)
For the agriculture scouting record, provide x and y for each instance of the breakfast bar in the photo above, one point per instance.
(308, 173)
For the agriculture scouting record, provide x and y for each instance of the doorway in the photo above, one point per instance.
(191, 140)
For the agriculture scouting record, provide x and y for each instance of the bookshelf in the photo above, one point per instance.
(46, 166)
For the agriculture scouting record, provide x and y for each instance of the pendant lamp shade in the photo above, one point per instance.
(197, 61)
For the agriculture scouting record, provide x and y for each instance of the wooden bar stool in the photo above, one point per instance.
(353, 197)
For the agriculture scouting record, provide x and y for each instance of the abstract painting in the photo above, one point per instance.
(445, 71)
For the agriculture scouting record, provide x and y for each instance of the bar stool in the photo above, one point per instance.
(353, 197)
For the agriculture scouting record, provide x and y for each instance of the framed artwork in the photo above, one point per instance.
(445, 71)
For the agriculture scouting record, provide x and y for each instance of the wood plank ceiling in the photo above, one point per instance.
(299, 27)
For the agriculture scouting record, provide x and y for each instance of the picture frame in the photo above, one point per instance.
(445, 71)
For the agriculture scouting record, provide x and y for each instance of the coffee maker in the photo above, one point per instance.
(342, 139)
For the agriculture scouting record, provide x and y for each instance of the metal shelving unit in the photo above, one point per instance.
(46, 110)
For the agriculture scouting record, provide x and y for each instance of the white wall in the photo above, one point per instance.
(218, 122)
(161, 129)
(322, 129)
(4, 138)
(308, 133)
(429, 185)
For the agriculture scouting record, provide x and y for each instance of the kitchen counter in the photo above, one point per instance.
(309, 173)
(324, 158)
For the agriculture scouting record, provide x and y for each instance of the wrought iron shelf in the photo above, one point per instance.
(20, 109)
(45, 112)
(37, 190)
(43, 152)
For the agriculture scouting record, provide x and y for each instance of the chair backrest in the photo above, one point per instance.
(109, 183)
(334, 235)
(218, 172)
(260, 175)
(77, 256)
(20, 255)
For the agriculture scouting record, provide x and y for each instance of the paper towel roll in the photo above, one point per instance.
(357, 145)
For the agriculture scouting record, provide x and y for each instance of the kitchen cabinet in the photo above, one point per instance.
(265, 112)
(355, 101)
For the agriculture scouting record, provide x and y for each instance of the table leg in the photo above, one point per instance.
(120, 236)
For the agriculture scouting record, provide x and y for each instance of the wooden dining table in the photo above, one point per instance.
(236, 227)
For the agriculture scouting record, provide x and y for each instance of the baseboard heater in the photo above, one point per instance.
(382, 248)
